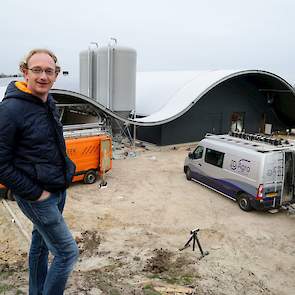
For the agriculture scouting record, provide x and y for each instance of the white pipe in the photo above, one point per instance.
(108, 77)
(90, 69)
(111, 49)
(111, 104)
(89, 90)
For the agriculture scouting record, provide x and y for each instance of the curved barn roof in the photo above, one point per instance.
(177, 100)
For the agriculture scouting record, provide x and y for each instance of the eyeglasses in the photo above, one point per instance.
(39, 71)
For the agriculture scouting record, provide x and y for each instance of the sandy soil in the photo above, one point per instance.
(130, 232)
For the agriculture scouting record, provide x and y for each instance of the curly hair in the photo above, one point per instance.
(24, 63)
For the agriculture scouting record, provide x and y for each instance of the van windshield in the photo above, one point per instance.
(198, 152)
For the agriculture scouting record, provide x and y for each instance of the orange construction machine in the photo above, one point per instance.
(92, 154)
(3, 191)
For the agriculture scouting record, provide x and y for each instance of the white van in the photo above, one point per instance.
(255, 171)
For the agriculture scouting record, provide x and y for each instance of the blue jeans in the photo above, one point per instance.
(50, 232)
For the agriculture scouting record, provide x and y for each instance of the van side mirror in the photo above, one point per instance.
(190, 155)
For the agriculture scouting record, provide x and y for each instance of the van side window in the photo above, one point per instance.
(198, 152)
(214, 157)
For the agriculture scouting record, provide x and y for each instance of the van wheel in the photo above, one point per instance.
(244, 202)
(90, 177)
(188, 174)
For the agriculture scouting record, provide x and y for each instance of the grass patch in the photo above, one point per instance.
(5, 274)
(114, 292)
(179, 280)
(4, 288)
(184, 279)
(149, 290)
(179, 271)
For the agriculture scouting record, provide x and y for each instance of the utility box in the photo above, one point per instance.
(267, 129)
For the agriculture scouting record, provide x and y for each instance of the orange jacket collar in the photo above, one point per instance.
(22, 86)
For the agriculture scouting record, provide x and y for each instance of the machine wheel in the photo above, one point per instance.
(244, 202)
(188, 174)
(10, 195)
(90, 177)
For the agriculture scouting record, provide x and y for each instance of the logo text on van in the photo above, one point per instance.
(242, 166)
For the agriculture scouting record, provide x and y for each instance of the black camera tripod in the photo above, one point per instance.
(194, 237)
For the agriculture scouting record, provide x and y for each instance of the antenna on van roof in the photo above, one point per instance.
(258, 137)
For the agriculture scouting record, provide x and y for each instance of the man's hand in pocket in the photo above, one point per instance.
(44, 196)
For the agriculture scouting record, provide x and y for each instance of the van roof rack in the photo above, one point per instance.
(258, 137)
(259, 142)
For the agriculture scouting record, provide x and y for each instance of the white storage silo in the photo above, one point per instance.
(108, 75)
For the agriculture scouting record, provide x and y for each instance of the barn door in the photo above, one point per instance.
(215, 123)
(237, 121)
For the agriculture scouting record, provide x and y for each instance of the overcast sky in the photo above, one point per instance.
(167, 34)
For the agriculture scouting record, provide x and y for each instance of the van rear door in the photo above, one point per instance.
(288, 171)
(273, 177)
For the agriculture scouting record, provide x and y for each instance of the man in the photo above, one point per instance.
(35, 167)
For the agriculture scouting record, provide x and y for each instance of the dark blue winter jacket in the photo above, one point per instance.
(32, 148)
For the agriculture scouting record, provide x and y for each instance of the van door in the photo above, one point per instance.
(197, 163)
(213, 163)
(288, 187)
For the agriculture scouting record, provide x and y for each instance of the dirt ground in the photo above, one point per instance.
(130, 233)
